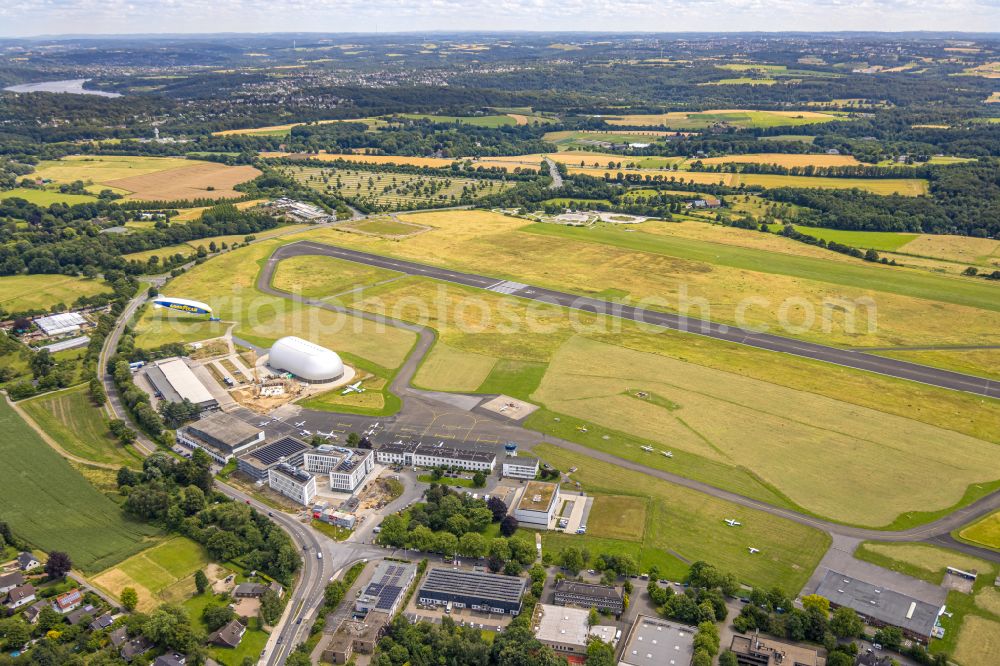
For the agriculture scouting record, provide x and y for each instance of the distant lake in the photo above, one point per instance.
(73, 86)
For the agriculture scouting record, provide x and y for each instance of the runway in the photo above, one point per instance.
(857, 360)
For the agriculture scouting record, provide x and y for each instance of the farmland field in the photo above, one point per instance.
(150, 178)
(904, 186)
(40, 292)
(478, 121)
(45, 197)
(157, 574)
(683, 120)
(785, 159)
(70, 418)
(964, 249)
(436, 162)
(283, 130)
(392, 191)
(53, 507)
(690, 525)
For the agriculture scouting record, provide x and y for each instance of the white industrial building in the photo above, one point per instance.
(220, 435)
(347, 468)
(415, 454)
(296, 484)
(306, 361)
(60, 324)
(174, 381)
(537, 505)
(520, 467)
(568, 631)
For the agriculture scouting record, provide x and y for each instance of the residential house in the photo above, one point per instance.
(118, 636)
(20, 596)
(74, 617)
(65, 603)
(230, 635)
(27, 561)
(10, 581)
(170, 659)
(102, 622)
(32, 612)
(136, 648)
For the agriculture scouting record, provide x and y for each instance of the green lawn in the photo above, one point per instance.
(876, 240)
(446, 481)
(70, 418)
(984, 532)
(53, 507)
(906, 283)
(478, 121)
(249, 648)
(41, 292)
(685, 525)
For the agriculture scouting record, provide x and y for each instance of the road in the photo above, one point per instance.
(843, 357)
(557, 179)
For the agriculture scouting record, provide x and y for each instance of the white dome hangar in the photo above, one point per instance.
(307, 361)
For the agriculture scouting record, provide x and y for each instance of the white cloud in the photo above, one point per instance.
(200, 16)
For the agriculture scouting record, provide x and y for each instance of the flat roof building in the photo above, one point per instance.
(589, 595)
(255, 463)
(174, 381)
(347, 467)
(537, 504)
(655, 642)
(293, 483)
(566, 630)
(756, 651)
(419, 454)
(879, 606)
(477, 590)
(387, 587)
(220, 435)
(520, 467)
(356, 636)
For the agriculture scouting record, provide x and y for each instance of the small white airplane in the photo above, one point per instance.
(326, 435)
(300, 424)
(262, 424)
(647, 449)
(353, 388)
(582, 428)
(753, 550)
(732, 522)
(668, 454)
(306, 433)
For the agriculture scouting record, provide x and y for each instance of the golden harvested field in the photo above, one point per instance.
(737, 117)
(188, 182)
(786, 160)
(450, 369)
(905, 186)
(30, 292)
(261, 319)
(978, 641)
(278, 130)
(100, 169)
(732, 420)
(436, 162)
(964, 249)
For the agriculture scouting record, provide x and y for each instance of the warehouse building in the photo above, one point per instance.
(417, 454)
(537, 505)
(293, 483)
(655, 642)
(174, 381)
(63, 323)
(256, 463)
(386, 589)
(306, 361)
(478, 590)
(567, 630)
(220, 435)
(347, 468)
(589, 595)
(881, 607)
(520, 467)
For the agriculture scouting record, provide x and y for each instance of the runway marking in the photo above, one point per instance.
(506, 287)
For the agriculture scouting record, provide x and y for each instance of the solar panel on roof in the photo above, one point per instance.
(282, 448)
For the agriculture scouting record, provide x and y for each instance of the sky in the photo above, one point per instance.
(51, 17)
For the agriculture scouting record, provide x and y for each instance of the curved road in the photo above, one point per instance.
(413, 399)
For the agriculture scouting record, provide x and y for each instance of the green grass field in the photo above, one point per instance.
(385, 226)
(920, 560)
(393, 191)
(681, 120)
(162, 573)
(478, 121)
(683, 525)
(323, 277)
(450, 369)
(41, 292)
(71, 418)
(618, 517)
(876, 240)
(985, 532)
(53, 507)
(45, 197)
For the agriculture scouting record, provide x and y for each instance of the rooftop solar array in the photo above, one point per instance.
(388, 583)
(479, 584)
(275, 451)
